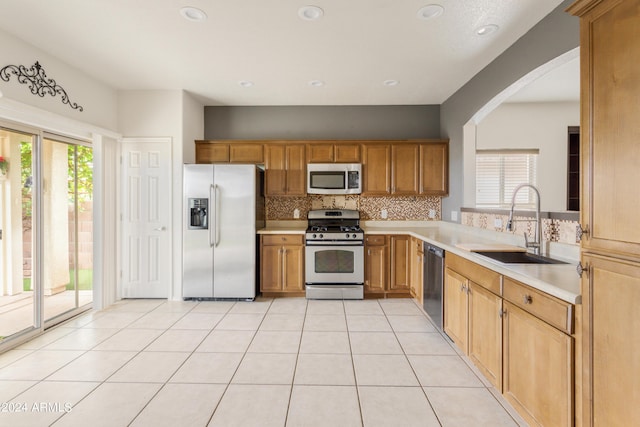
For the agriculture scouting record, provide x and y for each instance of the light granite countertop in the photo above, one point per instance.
(558, 280)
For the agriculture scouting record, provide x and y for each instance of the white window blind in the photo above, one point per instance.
(499, 172)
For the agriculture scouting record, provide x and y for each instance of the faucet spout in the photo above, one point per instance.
(537, 243)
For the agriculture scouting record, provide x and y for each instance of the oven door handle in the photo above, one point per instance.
(345, 243)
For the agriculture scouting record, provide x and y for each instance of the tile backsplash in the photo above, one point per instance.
(553, 230)
(371, 208)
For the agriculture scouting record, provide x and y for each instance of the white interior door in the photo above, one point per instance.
(146, 218)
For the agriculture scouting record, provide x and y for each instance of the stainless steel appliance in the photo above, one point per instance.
(433, 283)
(334, 178)
(334, 255)
(223, 206)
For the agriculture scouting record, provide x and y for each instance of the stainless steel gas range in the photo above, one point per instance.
(334, 255)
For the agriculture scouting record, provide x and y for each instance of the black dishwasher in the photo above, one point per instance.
(433, 282)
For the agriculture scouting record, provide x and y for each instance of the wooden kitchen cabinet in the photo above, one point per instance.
(612, 328)
(485, 333)
(229, 152)
(538, 369)
(376, 169)
(376, 264)
(405, 170)
(456, 308)
(609, 206)
(333, 153)
(401, 264)
(473, 308)
(434, 168)
(610, 152)
(207, 152)
(285, 170)
(281, 264)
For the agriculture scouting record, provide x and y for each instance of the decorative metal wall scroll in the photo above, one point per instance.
(38, 82)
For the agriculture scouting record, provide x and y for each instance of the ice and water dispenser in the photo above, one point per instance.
(198, 214)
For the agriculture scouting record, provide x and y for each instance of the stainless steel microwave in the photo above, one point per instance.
(334, 178)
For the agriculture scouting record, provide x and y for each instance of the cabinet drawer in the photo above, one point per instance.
(376, 240)
(482, 276)
(552, 310)
(281, 239)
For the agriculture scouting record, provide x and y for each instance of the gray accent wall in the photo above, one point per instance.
(322, 122)
(553, 36)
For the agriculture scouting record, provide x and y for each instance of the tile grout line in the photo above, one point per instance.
(295, 367)
(226, 387)
(353, 364)
(178, 368)
(422, 388)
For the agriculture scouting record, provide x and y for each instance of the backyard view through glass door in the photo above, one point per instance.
(17, 299)
(67, 234)
(46, 218)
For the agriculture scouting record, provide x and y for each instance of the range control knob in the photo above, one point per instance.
(314, 235)
(321, 236)
(347, 235)
(353, 235)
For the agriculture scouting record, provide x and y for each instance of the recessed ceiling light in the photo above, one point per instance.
(193, 14)
(390, 82)
(430, 11)
(245, 83)
(316, 83)
(310, 13)
(485, 30)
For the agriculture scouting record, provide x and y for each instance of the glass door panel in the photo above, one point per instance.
(67, 274)
(18, 306)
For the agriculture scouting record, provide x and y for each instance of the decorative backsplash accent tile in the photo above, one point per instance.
(553, 230)
(401, 208)
(398, 208)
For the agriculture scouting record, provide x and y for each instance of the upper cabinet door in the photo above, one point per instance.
(347, 153)
(376, 159)
(296, 170)
(276, 170)
(207, 152)
(320, 153)
(405, 168)
(610, 54)
(434, 169)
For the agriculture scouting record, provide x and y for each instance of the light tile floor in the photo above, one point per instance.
(280, 362)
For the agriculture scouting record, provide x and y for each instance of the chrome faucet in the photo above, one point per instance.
(537, 243)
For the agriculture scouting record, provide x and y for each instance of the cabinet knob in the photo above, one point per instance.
(502, 313)
(580, 269)
(581, 232)
(526, 299)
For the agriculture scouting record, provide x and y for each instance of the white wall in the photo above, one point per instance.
(535, 125)
(173, 114)
(97, 99)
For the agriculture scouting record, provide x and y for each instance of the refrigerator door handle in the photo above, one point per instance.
(216, 203)
(211, 195)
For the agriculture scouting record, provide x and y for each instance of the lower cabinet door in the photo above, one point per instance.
(293, 268)
(456, 308)
(485, 333)
(538, 369)
(271, 268)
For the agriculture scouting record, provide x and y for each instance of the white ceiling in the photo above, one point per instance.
(358, 44)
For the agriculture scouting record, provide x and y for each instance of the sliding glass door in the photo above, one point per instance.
(67, 219)
(18, 302)
(46, 223)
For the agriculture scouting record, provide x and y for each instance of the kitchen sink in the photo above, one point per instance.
(519, 258)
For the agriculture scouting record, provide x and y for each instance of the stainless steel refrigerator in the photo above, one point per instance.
(223, 207)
